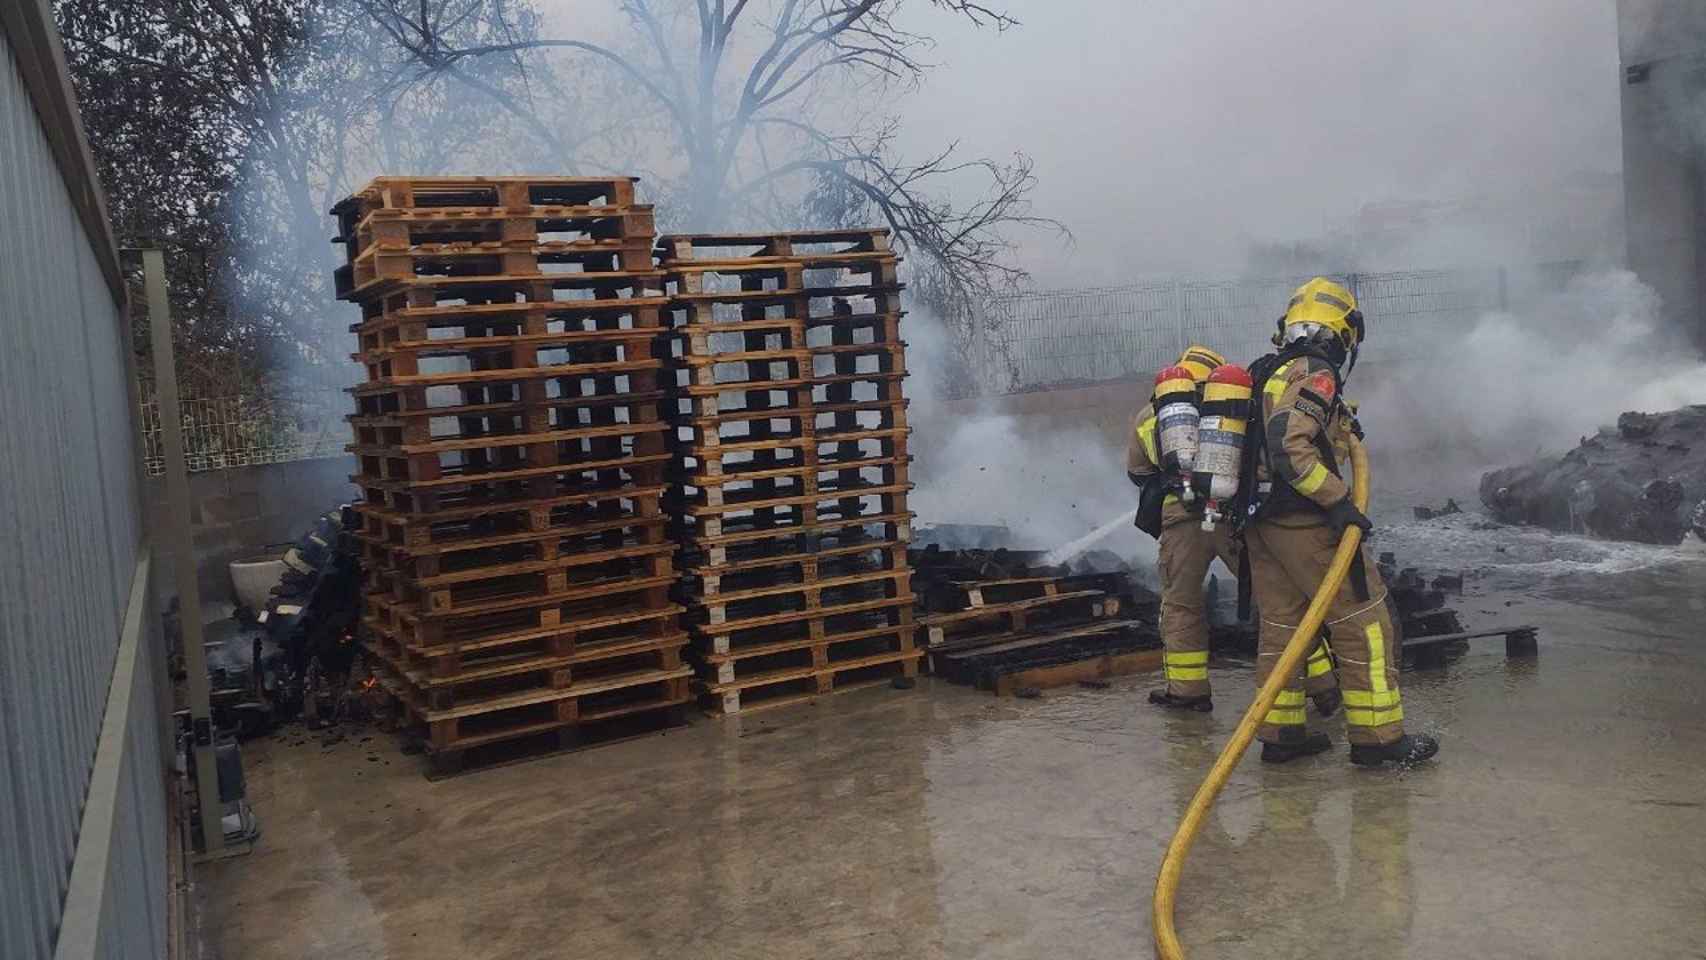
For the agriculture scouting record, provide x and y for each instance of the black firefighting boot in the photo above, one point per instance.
(1409, 749)
(1162, 698)
(1327, 703)
(1295, 743)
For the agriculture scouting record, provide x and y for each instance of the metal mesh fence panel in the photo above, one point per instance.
(222, 432)
(1050, 339)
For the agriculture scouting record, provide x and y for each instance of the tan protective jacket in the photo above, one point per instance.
(1301, 413)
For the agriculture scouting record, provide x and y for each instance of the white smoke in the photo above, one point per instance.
(1051, 475)
(1530, 381)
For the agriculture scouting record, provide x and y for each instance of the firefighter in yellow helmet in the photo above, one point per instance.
(1186, 552)
(1300, 507)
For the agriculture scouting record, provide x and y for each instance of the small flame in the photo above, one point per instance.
(371, 682)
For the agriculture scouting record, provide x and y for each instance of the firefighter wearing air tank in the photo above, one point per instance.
(1161, 461)
(1298, 508)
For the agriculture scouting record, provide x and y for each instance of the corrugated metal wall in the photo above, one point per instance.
(72, 527)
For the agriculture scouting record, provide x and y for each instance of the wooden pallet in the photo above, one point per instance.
(441, 686)
(392, 295)
(685, 248)
(408, 228)
(815, 652)
(718, 539)
(512, 345)
(723, 603)
(375, 269)
(467, 726)
(572, 480)
(460, 589)
(386, 324)
(733, 280)
(1101, 667)
(798, 685)
(510, 193)
(612, 624)
(798, 554)
(503, 618)
(495, 514)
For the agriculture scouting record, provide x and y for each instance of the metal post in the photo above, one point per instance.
(1179, 317)
(174, 530)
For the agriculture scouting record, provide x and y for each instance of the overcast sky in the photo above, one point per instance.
(1168, 134)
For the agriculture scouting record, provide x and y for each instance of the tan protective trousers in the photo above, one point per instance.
(1288, 557)
(1186, 553)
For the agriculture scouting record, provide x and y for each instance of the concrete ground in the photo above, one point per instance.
(1566, 817)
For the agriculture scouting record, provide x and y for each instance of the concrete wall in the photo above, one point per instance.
(1662, 44)
(83, 793)
(238, 512)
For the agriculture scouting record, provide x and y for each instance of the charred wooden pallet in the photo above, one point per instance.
(976, 626)
(1024, 649)
(1091, 670)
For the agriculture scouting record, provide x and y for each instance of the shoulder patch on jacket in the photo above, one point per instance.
(1323, 385)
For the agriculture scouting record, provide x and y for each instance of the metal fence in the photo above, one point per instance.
(1060, 338)
(83, 683)
(239, 431)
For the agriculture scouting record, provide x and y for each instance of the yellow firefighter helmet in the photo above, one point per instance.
(1322, 306)
(1200, 361)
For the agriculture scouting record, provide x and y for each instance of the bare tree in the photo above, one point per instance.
(773, 109)
(225, 129)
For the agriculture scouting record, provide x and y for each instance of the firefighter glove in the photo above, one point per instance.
(1344, 515)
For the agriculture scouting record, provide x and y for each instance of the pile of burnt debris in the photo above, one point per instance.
(294, 656)
(1007, 621)
(1642, 480)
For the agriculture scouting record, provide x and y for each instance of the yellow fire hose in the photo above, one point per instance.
(1167, 881)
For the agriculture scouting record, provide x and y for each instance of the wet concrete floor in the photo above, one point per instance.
(1566, 817)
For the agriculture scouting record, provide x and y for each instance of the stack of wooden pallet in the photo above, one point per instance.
(512, 448)
(791, 471)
